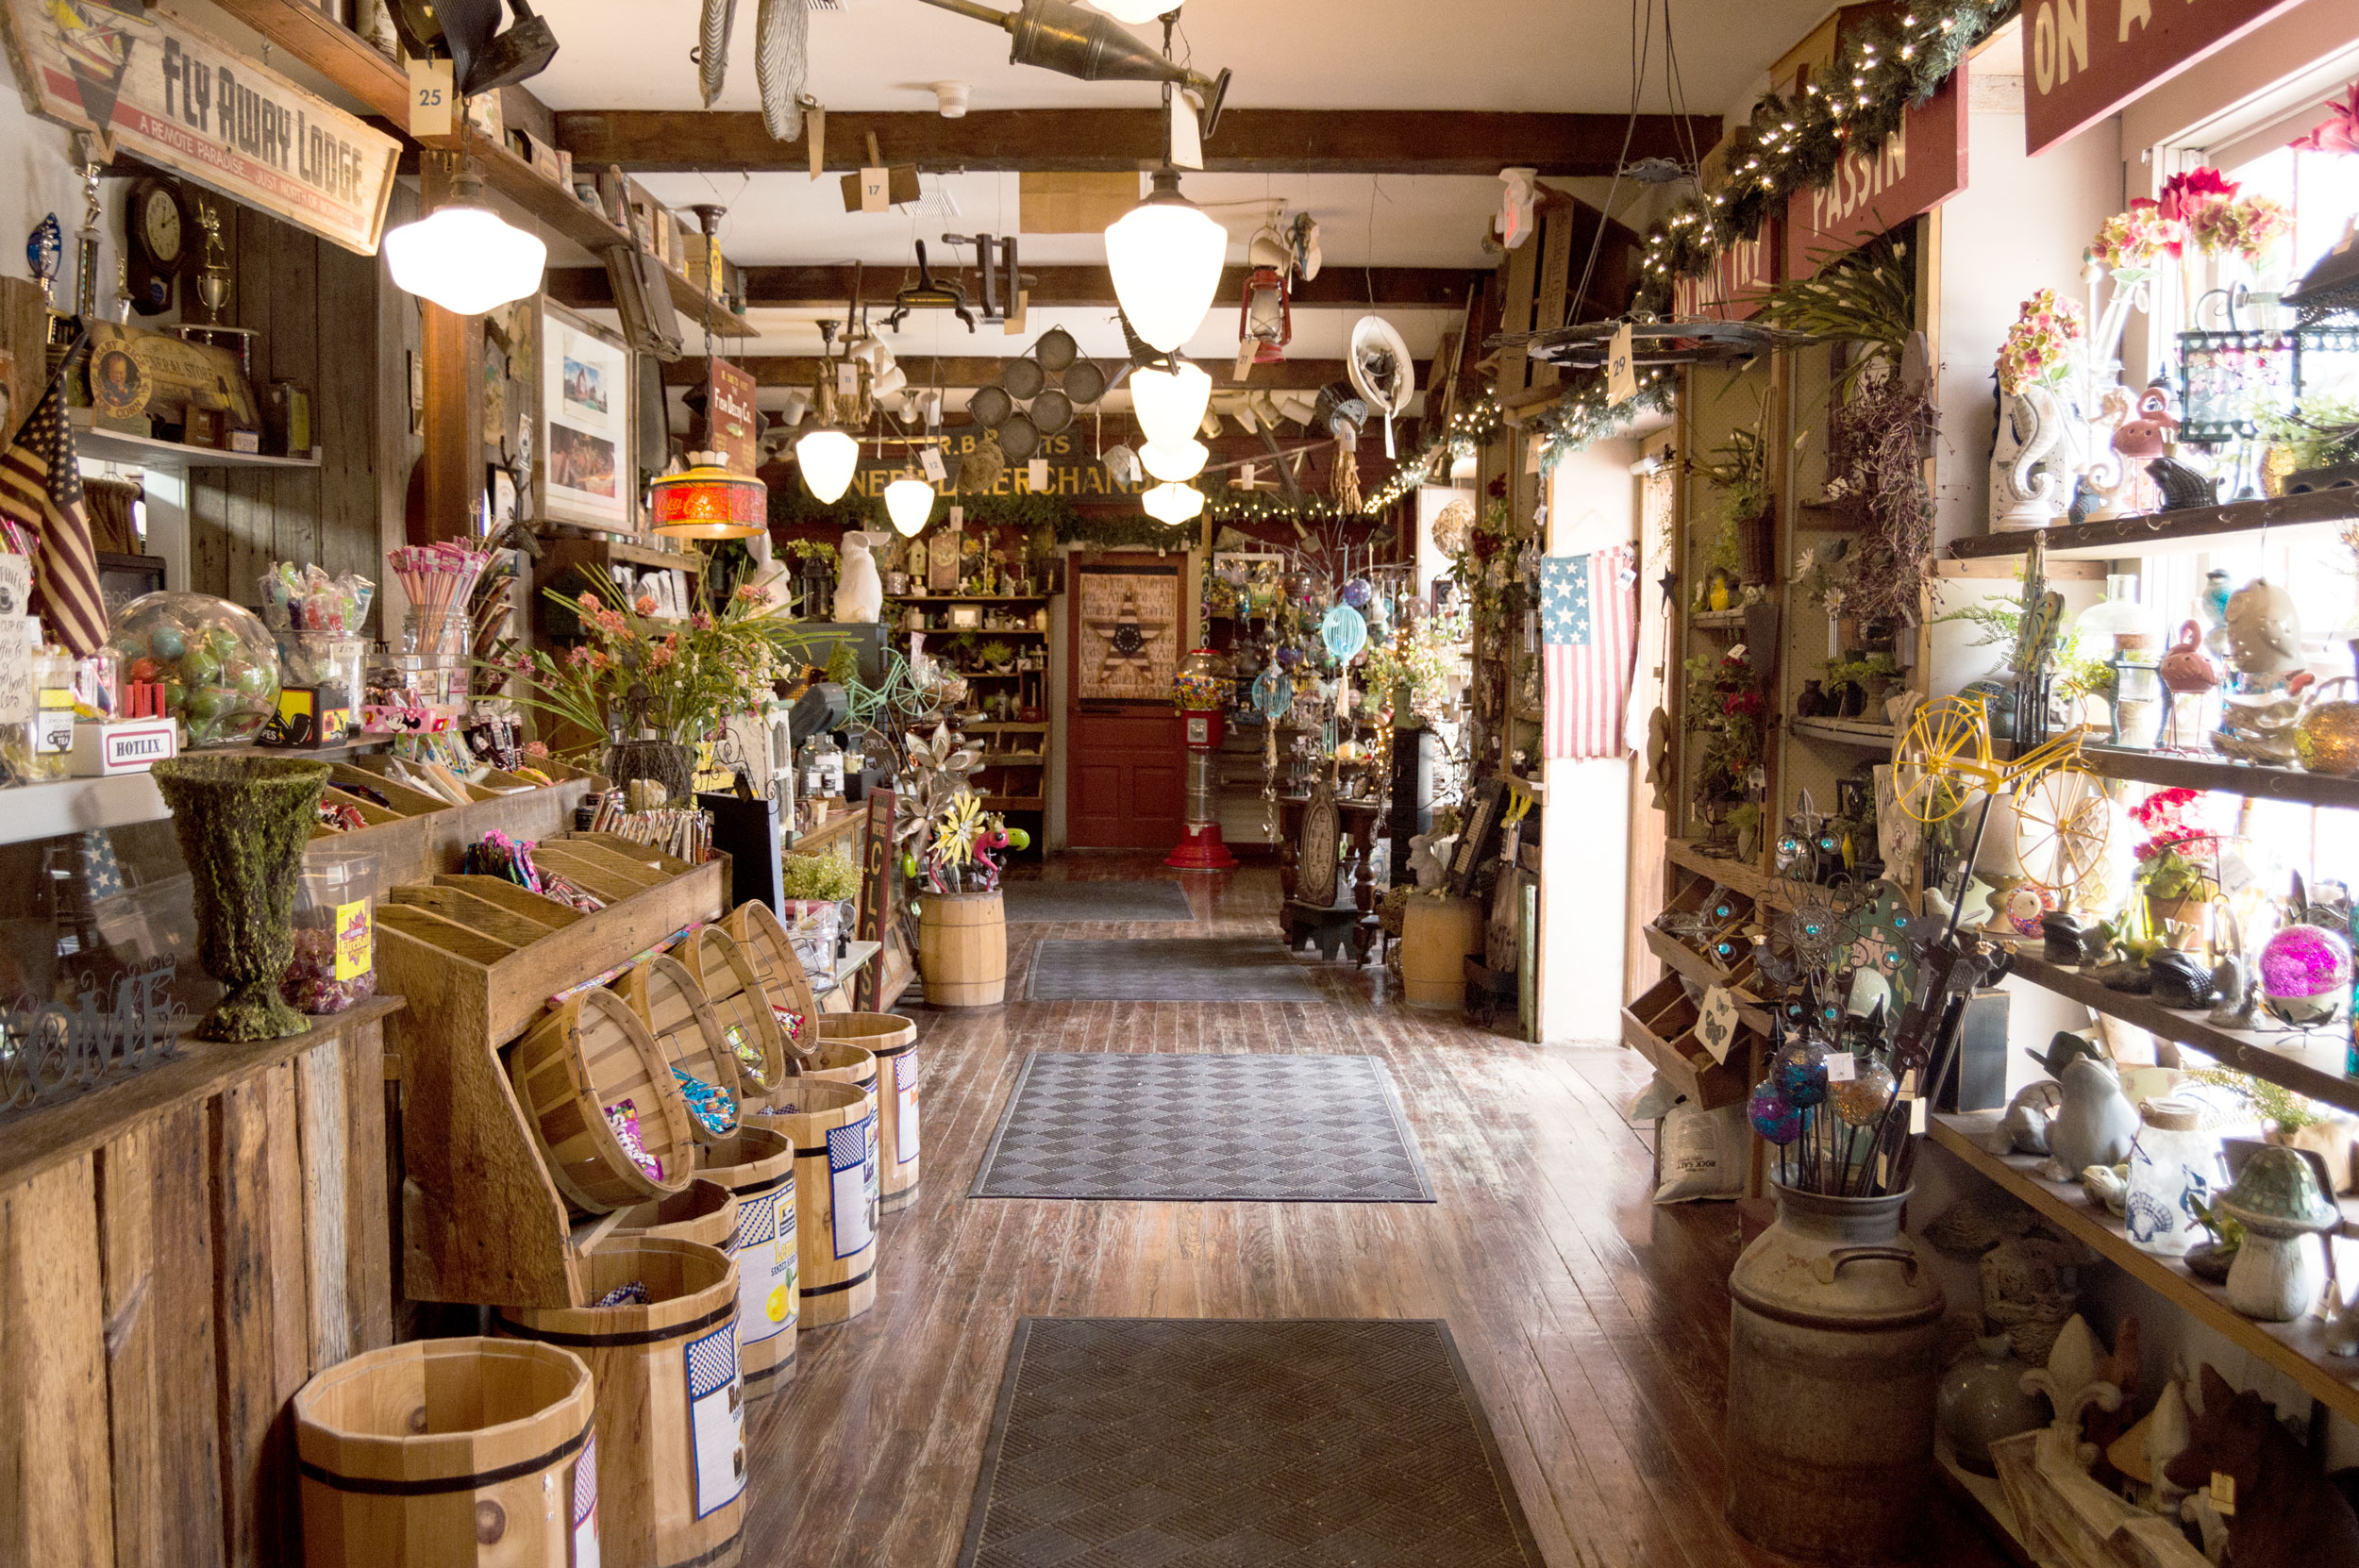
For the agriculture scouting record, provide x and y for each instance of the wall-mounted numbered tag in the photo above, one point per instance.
(929, 459)
(1621, 377)
(431, 98)
(876, 189)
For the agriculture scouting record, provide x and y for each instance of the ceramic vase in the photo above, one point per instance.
(242, 822)
(2096, 1123)
(2031, 463)
(1982, 1400)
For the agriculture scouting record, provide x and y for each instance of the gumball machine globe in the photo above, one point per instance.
(2306, 971)
(1200, 690)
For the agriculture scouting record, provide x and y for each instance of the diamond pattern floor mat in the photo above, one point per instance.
(1039, 903)
(1158, 1442)
(1166, 969)
(1199, 1128)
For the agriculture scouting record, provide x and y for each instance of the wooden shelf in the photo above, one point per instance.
(1008, 727)
(2201, 771)
(166, 456)
(2297, 1349)
(1015, 803)
(1017, 759)
(976, 600)
(976, 631)
(1773, 891)
(1716, 619)
(2165, 532)
(995, 674)
(1531, 788)
(2308, 1064)
(1843, 732)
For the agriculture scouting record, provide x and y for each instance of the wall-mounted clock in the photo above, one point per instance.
(163, 239)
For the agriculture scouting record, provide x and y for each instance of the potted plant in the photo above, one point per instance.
(997, 656)
(1846, 685)
(1877, 672)
(2177, 888)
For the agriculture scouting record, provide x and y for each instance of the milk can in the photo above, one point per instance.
(1833, 1363)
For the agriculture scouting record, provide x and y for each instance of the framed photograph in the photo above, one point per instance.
(502, 493)
(583, 470)
(966, 617)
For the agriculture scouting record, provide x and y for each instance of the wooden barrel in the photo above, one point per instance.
(761, 936)
(748, 1024)
(585, 1060)
(669, 1001)
(963, 949)
(705, 1211)
(847, 1061)
(893, 1040)
(836, 1233)
(671, 1403)
(758, 1165)
(448, 1453)
(1436, 935)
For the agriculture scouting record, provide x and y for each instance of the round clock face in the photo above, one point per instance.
(159, 226)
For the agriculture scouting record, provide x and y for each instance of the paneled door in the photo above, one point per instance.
(1124, 776)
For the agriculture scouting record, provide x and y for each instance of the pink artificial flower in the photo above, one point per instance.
(644, 605)
(2340, 131)
(2186, 196)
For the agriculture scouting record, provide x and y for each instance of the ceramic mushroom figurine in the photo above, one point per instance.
(2264, 632)
(2276, 1277)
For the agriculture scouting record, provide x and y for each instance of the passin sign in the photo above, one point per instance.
(1074, 469)
(2082, 60)
(168, 94)
(1915, 169)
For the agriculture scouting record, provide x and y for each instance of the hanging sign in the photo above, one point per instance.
(1070, 469)
(165, 94)
(2082, 60)
(731, 426)
(1741, 277)
(1917, 169)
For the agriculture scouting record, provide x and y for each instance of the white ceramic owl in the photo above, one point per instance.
(2264, 629)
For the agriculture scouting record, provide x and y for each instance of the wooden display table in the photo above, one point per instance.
(1354, 917)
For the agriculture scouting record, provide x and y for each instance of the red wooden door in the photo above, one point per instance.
(1125, 775)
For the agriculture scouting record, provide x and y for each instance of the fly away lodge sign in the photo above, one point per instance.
(150, 85)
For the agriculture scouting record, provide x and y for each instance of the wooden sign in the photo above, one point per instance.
(1917, 169)
(1741, 277)
(1074, 469)
(168, 94)
(731, 426)
(2082, 60)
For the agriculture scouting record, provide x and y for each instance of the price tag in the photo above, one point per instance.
(1621, 381)
(876, 185)
(1187, 139)
(1920, 1115)
(815, 132)
(1908, 1085)
(847, 378)
(1036, 474)
(2223, 1494)
(1717, 1022)
(958, 517)
(929, 459)
(1842, 1067)
(430, 97)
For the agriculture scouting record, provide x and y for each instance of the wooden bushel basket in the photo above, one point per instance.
(761, 937)
(758, 1165)
(741, 1007)
(836, 1231)
(670, 1401)
(1436, 938)
(704, 1211)
(586, 1054)
(669, 1001)
(963, 949)
(447, 1454)
(893, 1040)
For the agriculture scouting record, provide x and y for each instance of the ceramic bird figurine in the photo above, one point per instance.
(2187, 669)
(2152, 432)
(2265, 630)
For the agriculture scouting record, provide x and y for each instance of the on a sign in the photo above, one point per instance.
(2084, 58)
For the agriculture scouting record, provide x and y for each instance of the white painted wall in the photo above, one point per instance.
(1584, 853)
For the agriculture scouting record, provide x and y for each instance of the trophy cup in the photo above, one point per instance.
(213, 291)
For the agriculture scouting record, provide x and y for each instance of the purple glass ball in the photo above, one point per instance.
(1799, 1072)
(1772, 1114)
(2304, 971)
(1358, 591)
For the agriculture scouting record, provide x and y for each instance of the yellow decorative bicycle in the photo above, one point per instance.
(2063, 820)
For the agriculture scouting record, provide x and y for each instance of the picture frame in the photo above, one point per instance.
(584, 469)
(966, 617)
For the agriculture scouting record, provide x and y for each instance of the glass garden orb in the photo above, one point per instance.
(1772, 1114)
(2305, 971)
(1864, 1096)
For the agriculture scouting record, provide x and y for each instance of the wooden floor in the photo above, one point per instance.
(1594, 1324)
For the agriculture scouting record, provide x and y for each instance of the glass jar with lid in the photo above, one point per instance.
(2119, 623)
(2173, 1164)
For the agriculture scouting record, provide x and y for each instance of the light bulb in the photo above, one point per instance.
(465, 259)
(825, 457)
(1165, 254)
(1179, 461)
(1170, 403)
(909, 500)
(1173, 504)
(1135, 12)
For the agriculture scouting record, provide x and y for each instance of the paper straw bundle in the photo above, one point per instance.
(436, 579)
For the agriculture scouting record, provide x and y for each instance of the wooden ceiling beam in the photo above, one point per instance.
(1054, 286)
(795, 370)
(1251, 141)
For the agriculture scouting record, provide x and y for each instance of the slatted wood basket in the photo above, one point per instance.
(705, 1211)
(758, 1165)
(670, 1402)
(444, 1453)
(761, 936)
(587, 1054)
(836, 1234)
(669, 1001)
(892, 1040)
(741, 1005)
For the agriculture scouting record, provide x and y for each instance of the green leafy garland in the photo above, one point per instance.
(1797, 143)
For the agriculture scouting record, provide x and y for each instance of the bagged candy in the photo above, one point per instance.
(623, 1116)
(713, 1106)
(630, 1293)
(789, 1020)
(748, 1052)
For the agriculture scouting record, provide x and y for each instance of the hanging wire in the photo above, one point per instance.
(1641, 47)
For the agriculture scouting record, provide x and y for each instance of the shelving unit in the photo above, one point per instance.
(1844, 732)
(2162, 532)
(2181, 769)
(1716, 619)
(170, 457)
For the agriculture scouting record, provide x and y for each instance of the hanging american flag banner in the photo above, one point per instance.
(41, 497)
(1589, 638)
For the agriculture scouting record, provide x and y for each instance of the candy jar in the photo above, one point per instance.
(53, 713)
(2172, 1166)
(335, 928)
(216, 662)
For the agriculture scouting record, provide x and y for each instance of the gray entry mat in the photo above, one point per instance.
(1158, 1443)
(1166, 969)
(1039, 903)
(1200, 1128)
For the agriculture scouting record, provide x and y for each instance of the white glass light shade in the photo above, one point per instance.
(1170, 404)
(908, 501)
(1173, 504)
(465, 259)
(825, 457)
(1135, 12)
(1165, 254)
(1181, 460)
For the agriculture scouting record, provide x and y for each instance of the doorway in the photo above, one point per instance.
(1124, 774)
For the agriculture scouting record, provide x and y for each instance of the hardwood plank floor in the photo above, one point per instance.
(1594, 1324)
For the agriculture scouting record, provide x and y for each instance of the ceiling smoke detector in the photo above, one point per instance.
(950, 99)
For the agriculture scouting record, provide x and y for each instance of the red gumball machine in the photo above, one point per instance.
(1201, 687)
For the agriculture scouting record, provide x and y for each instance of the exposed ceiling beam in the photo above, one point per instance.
(820, 288)
(795, 370)
(1251, 141)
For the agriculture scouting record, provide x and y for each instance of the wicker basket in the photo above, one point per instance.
(741, 1005)
(762, 938)
(586, 1054)
(669, 1001)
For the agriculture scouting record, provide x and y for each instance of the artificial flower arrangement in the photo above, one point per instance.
(2039, 347)
(2166, 868)
(940, 821)
(1421, 656)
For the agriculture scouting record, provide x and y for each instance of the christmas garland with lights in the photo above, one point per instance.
(1790, 144)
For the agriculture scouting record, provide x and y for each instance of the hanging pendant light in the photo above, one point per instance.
(709, 501)
(908, 501)
(465, 257)
(1179, 461)
(1173, 504)
(1170, 403)
(825, 456)
(1165, 254)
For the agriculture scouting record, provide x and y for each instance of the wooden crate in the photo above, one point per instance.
(1660, 1025)
(481, 1220)
(180, 1253)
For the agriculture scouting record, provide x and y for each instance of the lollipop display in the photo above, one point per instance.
(216, 662)
(437, 579)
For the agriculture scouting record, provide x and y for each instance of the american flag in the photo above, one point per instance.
(1588, 637)
(41, 495)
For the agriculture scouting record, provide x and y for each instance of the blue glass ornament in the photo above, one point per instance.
(1273, 693)
(1345, 632)
(1799, 1072)
(1357, 592)
(1772, 1114)
(1289, 658)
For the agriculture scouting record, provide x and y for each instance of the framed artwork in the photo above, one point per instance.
(584, 471)
(1476, 838)
(1129, 625)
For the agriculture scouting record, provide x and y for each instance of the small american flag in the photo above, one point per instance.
(1589, 638)
(41, 497)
